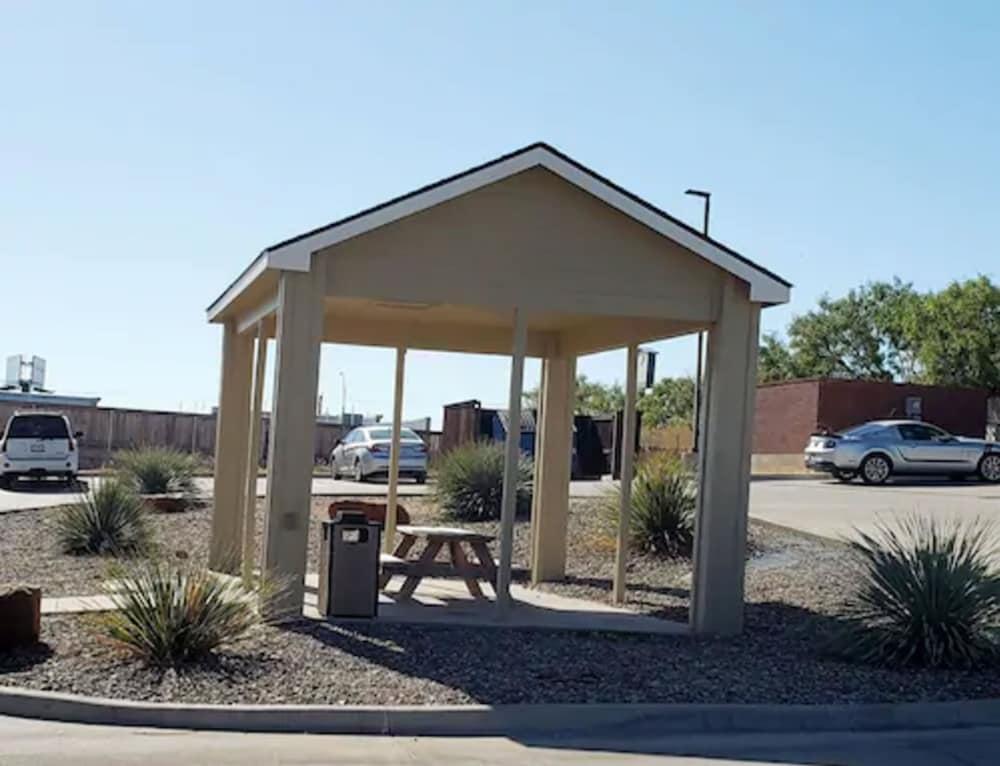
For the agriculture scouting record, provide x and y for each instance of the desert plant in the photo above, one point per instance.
(926, 593)
(663, 500)
(470, 482)
(108, 519)
(167, 614)
(157, 470)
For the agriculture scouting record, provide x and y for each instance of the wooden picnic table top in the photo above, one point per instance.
(443, 533)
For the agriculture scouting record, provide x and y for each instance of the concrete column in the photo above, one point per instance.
(510, 468)
(724, 475)
(389, 538)
(628, 460)
(232, 432)
(553, 459)
(253, 456)
(292, 433)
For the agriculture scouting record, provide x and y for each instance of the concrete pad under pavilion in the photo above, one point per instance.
(532, 254)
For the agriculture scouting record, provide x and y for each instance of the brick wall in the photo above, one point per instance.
(843, 403)
(785, 415)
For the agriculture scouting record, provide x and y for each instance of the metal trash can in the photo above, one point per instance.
(349, 561)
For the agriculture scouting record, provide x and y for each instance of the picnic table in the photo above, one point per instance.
(459, 543)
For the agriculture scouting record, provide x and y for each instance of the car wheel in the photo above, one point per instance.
(989, 467)
(844, 476)
(876, 469)
(359, 472)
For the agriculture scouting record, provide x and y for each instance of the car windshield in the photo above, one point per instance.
(386, 433)
(37, 427)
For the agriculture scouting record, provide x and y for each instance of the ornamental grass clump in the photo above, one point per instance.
(926, 593)
(470, 482)
(168, 615)
(663, 501)
(157, 470)
(110, 519)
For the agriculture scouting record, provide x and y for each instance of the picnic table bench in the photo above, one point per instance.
(459, 542)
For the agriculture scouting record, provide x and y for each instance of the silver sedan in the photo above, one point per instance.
(364, 452)
(883, 448)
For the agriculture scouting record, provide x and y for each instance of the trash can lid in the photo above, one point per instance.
(351, 517)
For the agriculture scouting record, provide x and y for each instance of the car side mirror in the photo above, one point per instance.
(338, 442)
(78, 435)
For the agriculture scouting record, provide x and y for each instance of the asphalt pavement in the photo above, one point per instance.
(25, 742)
(816, 506)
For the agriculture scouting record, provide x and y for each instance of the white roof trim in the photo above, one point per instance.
(295, 255)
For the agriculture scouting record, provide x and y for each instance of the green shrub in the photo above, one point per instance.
(157, 470)
(109, 519)
(168, 615)
(663, 501)
(470, 482)
(926, 594)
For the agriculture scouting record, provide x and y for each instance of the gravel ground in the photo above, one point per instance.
(793, 588)
(30, 553)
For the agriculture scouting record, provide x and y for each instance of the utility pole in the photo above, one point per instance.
(707, 198)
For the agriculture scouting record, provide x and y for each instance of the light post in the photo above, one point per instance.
(707, 197)
(343, 400)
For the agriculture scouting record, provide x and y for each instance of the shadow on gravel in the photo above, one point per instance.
(25, 658)
(508, 666)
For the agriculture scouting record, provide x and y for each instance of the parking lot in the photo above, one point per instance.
(816, 506)
(832, 509)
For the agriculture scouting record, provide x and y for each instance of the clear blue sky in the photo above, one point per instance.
(149, 151)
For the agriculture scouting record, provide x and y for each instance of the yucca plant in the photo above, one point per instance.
(110, 519)
(926, 594)
(662, 508)
(157, 470)
(167, 614)
(470, 482)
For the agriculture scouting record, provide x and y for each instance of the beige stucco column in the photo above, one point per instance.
(253, 456)
(389, 538)
(292, 433)
(628, 460)
(232, 433)
(727, 419)
(511, 459)
(553, 459)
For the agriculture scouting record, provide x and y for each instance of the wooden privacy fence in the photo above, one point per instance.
(106, 429)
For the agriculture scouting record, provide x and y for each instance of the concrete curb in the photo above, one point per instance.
(501, 720)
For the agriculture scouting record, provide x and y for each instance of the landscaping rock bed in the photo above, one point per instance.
(309, 662)
(794, 585)
(30, 552)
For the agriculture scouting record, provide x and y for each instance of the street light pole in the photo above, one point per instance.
(343, 400)
(699, 372)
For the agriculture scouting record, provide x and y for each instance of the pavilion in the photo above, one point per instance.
(531, 254)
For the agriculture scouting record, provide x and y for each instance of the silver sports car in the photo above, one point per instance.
(879, 449)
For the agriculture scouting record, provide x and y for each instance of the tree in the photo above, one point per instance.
(959, 331)
(888, 331)
(670, 402)
(776, 361)
(867, 334)
(592, 397)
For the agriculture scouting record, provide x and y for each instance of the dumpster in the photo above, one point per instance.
(349, 561)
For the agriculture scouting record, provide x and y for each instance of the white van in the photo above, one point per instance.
(38, 444)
